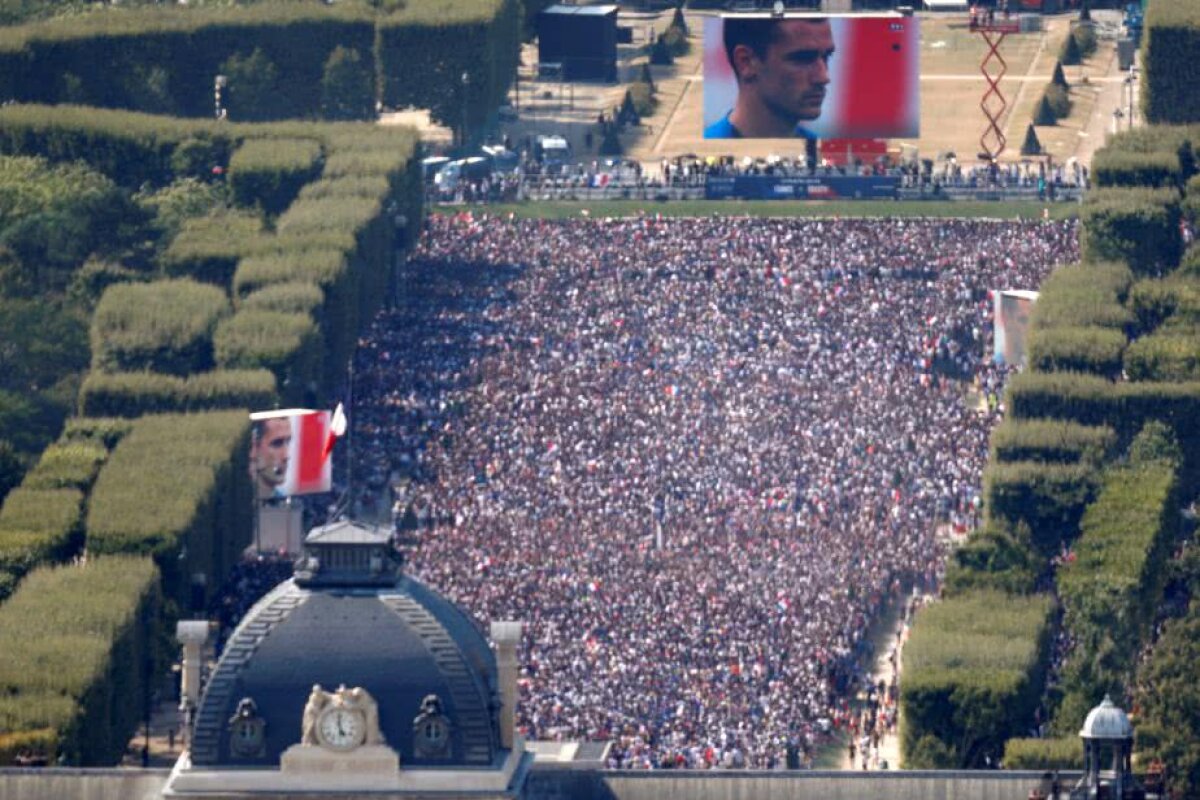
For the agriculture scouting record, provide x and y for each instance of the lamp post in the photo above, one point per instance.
(1129, 83)
(466, 82)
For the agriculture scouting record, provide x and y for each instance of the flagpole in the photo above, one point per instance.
(350, 437)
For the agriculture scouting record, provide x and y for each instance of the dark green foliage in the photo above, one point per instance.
(270, 172)
(678, 21)
(165, 326)
(176, 488)
(104, 431)
(347, 86)
(1154, 301)
(131, 394)
(1059, 101)
(51, 218)
(252, 93)
(1164, 357)
(425, 47)
(1084, 35)
(286, 344)
(67, 465)
(1095, 350)
(1112, 588)
(1044, 114)
(1170, 62)
(37, 526)
(1117, 168)
(1049, 498)
(647, 77)
(11, 469)
(994, 559)
(1031, 146)
(208, 248)
(610, 144)
(1059, 76)
(1084, 295)
(289, 298)
(1042, 754)
(1070, 54)
(1050, 440)
(660, 53)
(1138, 226)
(973, 672)
(676, 40)
(100, 627)
(1169, 725)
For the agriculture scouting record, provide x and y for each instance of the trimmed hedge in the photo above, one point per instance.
(270, 173)
(176, 488)
(1083, 295)
(131, 394)
(1051, 440)
(1049, 498)
(1118, 168)
(1153, 301)
(1137, 226)
(290, 298)
(994, 559)
(106, 431)
(1041, 754)
(208, 248)
(67, 465)
(1164, 357)
(75, 689)
(1126, 407)
(1171, 62)
(424, 48)
(974, 667)
(37, 526)
(166, 326)
(1111, 589)
(287, 344)
(1095, 350)
(160, 59)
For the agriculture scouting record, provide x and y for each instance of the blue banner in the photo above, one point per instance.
(807, 187)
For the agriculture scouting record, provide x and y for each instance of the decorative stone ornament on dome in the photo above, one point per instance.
(340, 732)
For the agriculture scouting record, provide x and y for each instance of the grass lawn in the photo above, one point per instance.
(769, 208)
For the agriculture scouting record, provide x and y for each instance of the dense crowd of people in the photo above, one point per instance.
(695, 456)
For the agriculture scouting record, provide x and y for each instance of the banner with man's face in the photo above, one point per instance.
(811, 76)
(289, 454)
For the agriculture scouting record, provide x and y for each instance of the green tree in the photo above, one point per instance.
(1170, 702)
(11, 469)
(1060, 77)
(678, 20)
(1031, 146)
(1044, 115)
(1070, 51)
(251, 91)
(347, 86)
(610, 143)
(647, 77)
(660, 53)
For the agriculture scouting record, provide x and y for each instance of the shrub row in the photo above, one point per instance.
(994, 558)
(1049, 498)
(208, 248)
(1050, 440)
(104, 431)
(294, 297)
(270, 173)
(1135, 225)
(176, 488)
(1093, 350)
(424, 50)
(1111, 590)
(37, 525)
(1153, 301)
(1125, 407)
(1113, 167)
(1084, 295)
(131, 394)
(1038, 754)
(287, 344)
(67, 465)
(1164, 356)
(1170, 59)
(973, 672)
(164, 326)
(76, 688)
(161, 59)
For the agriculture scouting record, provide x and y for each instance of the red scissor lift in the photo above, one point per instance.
(993, 103)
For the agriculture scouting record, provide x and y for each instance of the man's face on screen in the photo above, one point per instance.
(792, 75)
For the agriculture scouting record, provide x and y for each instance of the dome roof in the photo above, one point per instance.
(387, 633)
(1106, 721)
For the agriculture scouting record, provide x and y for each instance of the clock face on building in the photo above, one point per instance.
(342, 728)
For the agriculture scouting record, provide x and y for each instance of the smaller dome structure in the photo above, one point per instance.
(1106, 721)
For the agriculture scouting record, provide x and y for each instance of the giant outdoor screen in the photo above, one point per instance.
(811, 76)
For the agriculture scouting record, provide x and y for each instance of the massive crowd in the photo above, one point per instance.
(695, 456)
